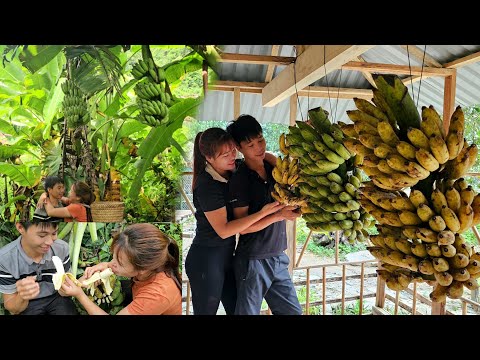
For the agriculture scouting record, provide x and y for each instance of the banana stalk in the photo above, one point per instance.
(78, 230)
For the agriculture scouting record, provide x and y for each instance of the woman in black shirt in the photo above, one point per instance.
(209, 263)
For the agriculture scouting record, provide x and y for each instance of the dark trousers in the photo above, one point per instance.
(265, 278)
(212, 279)
(51, 305)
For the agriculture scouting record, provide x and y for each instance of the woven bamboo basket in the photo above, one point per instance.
(107, 211)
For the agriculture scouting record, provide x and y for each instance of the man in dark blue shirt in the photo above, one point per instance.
(261, 266)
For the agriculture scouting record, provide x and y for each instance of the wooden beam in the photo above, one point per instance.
(464, 61)
(293, 110)
(421, 56)
(449, 100)
(236, 103)
(314, 63)
(300, 49)
(397, 69)
(366, 74)
(255, 59)
(312, 91)
(271, 68)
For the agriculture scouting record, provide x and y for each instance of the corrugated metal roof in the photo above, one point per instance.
(218, 105)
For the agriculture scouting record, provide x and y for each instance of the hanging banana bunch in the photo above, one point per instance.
(420, 232)
(152, 99)
(321, 177)
(74, 105)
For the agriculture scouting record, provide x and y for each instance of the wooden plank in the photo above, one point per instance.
(303, 249)
(464, 61)
(310, 66)
(366, 74)
(379, 311)
(337, 241)
(255, 59)
(438, 308)
(344, 272)
(307, 292)
(290, 225)
(449, 100)
(300, 49)
(187, 200)
(397, 298)
(293, 109)
(236, 103)
(464, 308)
(380, 301)
(414, 298)
(334, 279)
(362, 280)
(187, 309)
(402, 304)
(396, 69)
(324, 290)
(271, 68)
(336, 264)
(421, 56)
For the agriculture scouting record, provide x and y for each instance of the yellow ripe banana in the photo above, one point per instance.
(425, 266)
(465, 216)
(439, 294)
(457, 121)
(397, 162)
(455, 290)
(401, 203)
(467, 195)
(440, 264)
(384, 167)
(417, 198)
(454, 143)
(387, 133)
(383, 151)
(371, 171)
(59, 277)
(403, 245)
(424, 212)
(348, 129)
(363, 127)
(453, 198)
(283, 145)
(443, 278)
(370, 141)
(431, 123)
(438, 200)
(472, 153)
(437, 223)
(410, 232)
(406, 150)
(360, 116)
(434, 251)
(471, 284)
(356, 147)
(418, 249)
(446, 237)
(473, 267)
(277, 175)
(403, 180)
(439, 149)
(409, 218)
(292, 180)
(476, 210)
(418, 138)
(370, 109)
(387, 218)
(370, 160)
(285, 164)
(427, 160)
(448, 251)
(451, 219)
(284, 178)
(417, 171)
(460, 184)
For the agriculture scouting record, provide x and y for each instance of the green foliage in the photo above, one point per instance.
(351, 309)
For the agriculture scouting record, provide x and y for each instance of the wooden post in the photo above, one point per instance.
(205, 77)
(477, 235)
(304, 248)
(344, 274)
(438, 308)
(380, 300)
(236, 103)
(324, 291)
(414, 304)
(449, 100)
(307, 293)
(292, 225)
(362, 280)
(187, 310)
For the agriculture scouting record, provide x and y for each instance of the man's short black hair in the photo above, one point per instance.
(42, 224)
(246, 127)
(51, 181)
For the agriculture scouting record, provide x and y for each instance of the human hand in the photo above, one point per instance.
(290, 213)
(272, 207)
(41, 200)
(69, 288)
(28, 288)
(89, 271)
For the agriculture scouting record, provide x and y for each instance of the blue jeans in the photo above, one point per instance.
(265, 278)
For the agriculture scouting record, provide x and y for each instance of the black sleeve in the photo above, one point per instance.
(211, 195)
(239, 190)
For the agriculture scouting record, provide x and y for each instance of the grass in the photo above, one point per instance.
(351, 309)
